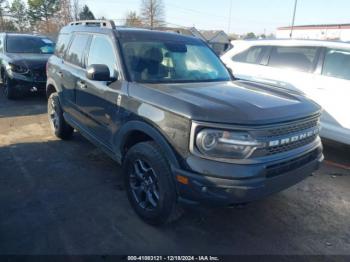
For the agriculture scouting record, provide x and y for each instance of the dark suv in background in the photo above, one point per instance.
(23, 61)
(165, 107)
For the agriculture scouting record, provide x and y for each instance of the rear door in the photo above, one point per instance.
(72, 71)
(99, 100)
(2, 46)
(57, 67)
(333, 91)
(290, 67)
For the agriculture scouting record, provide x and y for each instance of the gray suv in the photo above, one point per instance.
(185, 131)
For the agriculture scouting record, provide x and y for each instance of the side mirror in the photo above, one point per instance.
(98, 73)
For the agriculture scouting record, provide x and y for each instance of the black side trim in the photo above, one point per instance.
(89, 136)
(129, 127)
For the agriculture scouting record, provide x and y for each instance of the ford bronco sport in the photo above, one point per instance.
(185, 131)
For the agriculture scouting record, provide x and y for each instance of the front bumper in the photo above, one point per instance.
(23, 83)
(260, 180)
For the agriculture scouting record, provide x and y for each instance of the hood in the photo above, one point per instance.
(238, 102)
(30, 60)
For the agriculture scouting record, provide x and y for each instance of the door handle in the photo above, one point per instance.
(81, 85)
(60, 74)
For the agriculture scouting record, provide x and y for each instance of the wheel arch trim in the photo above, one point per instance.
(50, 82)
(138, 126)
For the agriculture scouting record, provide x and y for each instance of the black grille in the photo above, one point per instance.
(281, 168)
(285, 131)
(284, 148)
(39, 75)
(293, 128)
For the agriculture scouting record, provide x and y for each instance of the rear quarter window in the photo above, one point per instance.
(1, 43)
(77, 50)
(62, 44)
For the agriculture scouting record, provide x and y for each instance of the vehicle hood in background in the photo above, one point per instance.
(30, 60)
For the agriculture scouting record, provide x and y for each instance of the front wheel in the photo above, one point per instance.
(9, 91)
(149, 183)
(58, 124)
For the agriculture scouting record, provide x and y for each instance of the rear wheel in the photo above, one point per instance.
(58, 124)
(150, 186)
(9, 91)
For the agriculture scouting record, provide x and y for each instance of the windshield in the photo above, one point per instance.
(29, 44)
(153, 61)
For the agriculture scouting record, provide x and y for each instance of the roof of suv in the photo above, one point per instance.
(105, 26)
(295, 42)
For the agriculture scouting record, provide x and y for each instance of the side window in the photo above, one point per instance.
(251, 56)
(102, 52)
(77, 49)
(62, 44)
(296, 58)
(337, 64)
(1, 43)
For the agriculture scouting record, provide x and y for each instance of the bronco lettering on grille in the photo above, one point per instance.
(295, 138)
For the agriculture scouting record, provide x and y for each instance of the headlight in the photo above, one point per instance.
(225, 144)
(17, 68)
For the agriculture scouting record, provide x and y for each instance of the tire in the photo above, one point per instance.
(59, 126)
(9, 91)
(147, 170)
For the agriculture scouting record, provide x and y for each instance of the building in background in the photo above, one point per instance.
(190, 31)
(218, 40)
(318, 32)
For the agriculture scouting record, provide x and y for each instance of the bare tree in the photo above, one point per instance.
(65, 13)
(132, 19)
(76, 9)
(3, 9)
(152, 13)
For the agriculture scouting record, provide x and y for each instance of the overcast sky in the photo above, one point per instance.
(247, 15)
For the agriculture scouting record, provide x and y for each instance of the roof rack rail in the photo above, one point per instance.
(101, 23)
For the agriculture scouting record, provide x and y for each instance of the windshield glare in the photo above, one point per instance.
(172, 62)
(27, 44)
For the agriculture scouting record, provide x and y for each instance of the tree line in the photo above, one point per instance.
(42, 16)
(48, 16)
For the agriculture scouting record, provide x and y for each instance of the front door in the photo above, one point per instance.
(97, 99)
(246, 65)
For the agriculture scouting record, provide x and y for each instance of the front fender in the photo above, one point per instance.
(51, 82)
(132, 126)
